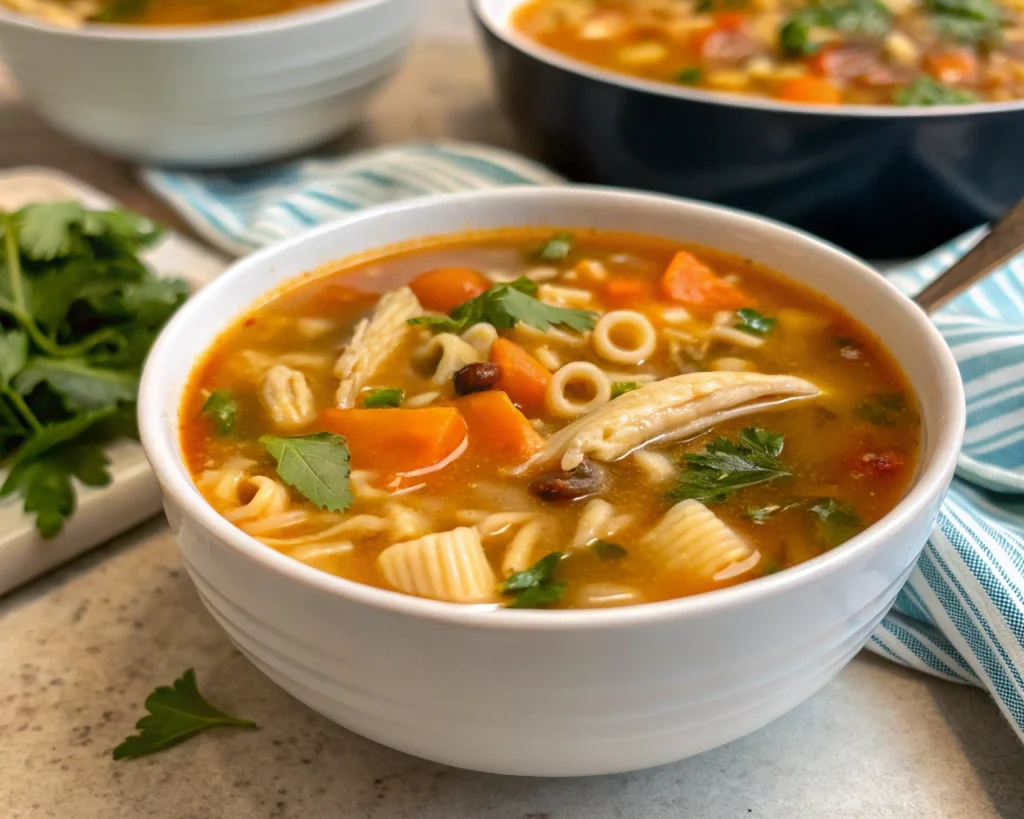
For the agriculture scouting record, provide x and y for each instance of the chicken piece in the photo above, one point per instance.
(667, 410)
(375, 338)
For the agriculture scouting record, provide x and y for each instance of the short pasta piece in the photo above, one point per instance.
(730, 335)
(734, 365)
(519, 554)
(446, 354)
(268, 498)
(624, 337)
(287, 398)
(692, 539)
(564, 296)
(480, 337)
(576, 389)
(606, 595)
(598, 521)
(449, 566)
(656, 466)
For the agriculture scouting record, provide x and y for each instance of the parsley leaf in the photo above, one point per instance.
(622, 387)
(726, 467)
(750, 321)
(555, 249)
(222, 410)
(376, 399)
(927, 91)
(837, 522)
(13, 354)
(176, 713)
(535, 587)
(504, 304)
(971, 22)
(760, 515)
(870, 17)
(316, 465)
(607, 551)
(82, 385)
(882, 409)
(689, 75)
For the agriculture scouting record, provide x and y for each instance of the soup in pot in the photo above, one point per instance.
(533, 420)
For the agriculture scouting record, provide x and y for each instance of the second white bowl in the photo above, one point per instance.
(213, 95)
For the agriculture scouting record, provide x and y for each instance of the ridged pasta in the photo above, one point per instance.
(519, 554)
(624, 337)
(690, 538)
(656, 466)
(598, 521)
(586, 378)
(446, 354)
(405, 523)
(269, 498)
(666, 410)
(449, 566)
(374, 340)
(287, 398)
(480, 337)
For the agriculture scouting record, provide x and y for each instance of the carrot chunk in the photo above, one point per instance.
(691, 282)
(523, 377)
(496, 425)
(813, 90)
(447, 287)
(626, 292)
(397, 441)
(951, 66)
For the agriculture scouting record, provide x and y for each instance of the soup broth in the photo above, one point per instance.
(687, 421)
(155, 12)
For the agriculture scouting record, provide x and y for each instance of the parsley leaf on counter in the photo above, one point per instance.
(316, 465)
(926, 91)
(504, 304)
(78, 313)
(535, 587)
(555, 249)
(221, 409)
(726, 467)
(176, 713)
(837, 522)
(750, 321)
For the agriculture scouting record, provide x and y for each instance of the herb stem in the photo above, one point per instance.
(10, 416)
(22, 407)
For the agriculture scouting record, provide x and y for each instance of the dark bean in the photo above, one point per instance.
(477, 377)
(585, 479)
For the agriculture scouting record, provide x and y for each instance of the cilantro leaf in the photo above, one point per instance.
(870, 17)
(221, 409)
(726, 467)
(971, 22)
(376, 399)
(750, 321)
(54, 434)
(176, 713)
(761, 514)
(555, 249)
(927, 91)
(535, 587)
(607, 551)
(837, 522)
(316, 465)
(689, 75)
(83, 386)
(13, 354)
(504, 304)
(622, 387)
(47, 231)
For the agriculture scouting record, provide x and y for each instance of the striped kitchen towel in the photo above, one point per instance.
(961, 614)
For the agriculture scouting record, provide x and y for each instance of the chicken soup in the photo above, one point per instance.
(528, 419)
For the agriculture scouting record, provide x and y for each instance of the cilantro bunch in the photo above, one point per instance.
(78, 313)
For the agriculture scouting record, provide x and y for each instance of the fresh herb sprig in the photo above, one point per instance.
(725, 467)
(752, 322)
(969, 22)
(316, 465)
(927, 91)
(869, 17)
(222, 411)
(176, 712)
(504, 304)
(535, 587)
(78, 313)
(555, 249)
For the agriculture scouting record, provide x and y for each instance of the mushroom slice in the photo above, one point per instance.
(374, 339)
(668, 410)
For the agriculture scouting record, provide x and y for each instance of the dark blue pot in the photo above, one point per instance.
(881, 182)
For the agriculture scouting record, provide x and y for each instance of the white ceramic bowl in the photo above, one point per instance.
(553, 693)
(211, 95)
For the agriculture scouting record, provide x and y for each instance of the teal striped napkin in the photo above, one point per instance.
(961, 614)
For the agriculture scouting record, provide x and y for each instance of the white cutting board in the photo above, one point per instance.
(133, 495)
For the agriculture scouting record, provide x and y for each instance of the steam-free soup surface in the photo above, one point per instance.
(156, 12)
(686, 422)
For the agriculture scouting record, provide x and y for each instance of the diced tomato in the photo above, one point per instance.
(626, 292)
(883, 463)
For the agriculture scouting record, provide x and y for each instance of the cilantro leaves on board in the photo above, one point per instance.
(927, 91)
(535, 587)
(317, 465)
(176, 712)
(555, 249)
(222, 410)
(726, 467)
(78, 313)
(750, 321)
(504, 304)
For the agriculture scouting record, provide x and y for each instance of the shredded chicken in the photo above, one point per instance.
(666, 410)
(374, 340)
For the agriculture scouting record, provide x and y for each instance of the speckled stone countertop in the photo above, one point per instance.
(81, 648)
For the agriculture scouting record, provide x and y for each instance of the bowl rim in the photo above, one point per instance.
(484, 12)
(271, 23)
(160, 435)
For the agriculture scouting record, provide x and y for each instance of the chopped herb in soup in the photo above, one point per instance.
(870, 52)
(154, 12)
(531, 419)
